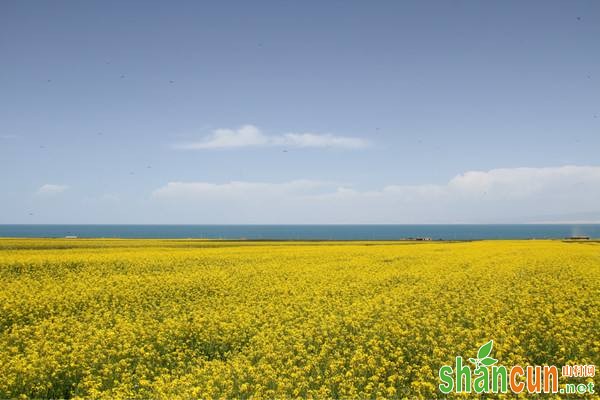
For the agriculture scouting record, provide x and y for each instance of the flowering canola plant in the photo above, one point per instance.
(224, 319)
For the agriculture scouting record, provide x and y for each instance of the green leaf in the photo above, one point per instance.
(489, 361)
(474, 361)
(485, 350)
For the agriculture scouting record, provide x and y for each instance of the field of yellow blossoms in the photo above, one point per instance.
(209, 319)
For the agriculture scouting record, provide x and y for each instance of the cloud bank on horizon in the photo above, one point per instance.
(252, 136)
(504, 195)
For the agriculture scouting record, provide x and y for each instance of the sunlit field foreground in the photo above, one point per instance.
(206, 319)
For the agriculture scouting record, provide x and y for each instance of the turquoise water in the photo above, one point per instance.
(307, 232)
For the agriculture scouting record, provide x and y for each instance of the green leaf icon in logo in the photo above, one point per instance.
(485, 350)
(488, 361)
(483, 358)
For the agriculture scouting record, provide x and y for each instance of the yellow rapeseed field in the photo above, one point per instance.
(208, 319)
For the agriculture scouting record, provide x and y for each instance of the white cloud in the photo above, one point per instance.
(251, 136)
(316, 140)
(50, 189)
(508, 195)
(239, 190)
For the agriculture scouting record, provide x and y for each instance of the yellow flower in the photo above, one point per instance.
(209, 319)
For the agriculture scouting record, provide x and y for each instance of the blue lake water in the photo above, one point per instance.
(307, 232)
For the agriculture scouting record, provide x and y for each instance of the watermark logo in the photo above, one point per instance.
(483, 356)
(488, 376)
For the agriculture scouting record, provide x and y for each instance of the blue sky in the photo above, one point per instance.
(293, 112)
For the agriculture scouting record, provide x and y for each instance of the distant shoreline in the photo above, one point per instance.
(567, 240)
(307, 232)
